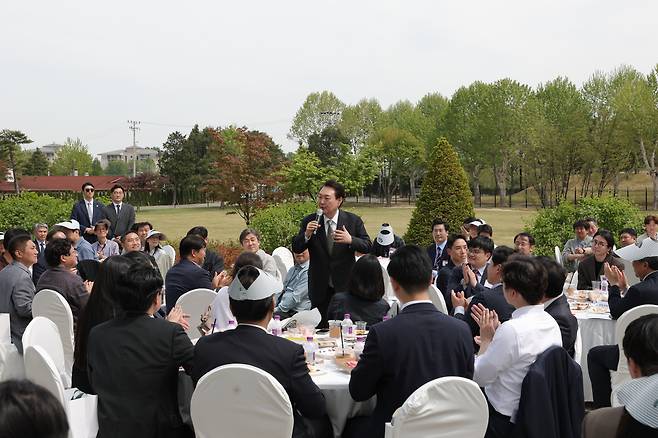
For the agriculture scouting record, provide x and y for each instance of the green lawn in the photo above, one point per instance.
(224, 225)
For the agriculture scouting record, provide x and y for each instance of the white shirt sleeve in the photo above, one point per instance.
(501, 354)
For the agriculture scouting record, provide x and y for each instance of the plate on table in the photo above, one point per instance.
(577, 306)
(579, 295)
(599, 308)
(314, 370)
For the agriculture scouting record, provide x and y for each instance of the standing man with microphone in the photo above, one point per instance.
(332, 236)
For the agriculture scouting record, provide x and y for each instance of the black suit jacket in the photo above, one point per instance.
(183, 277)
(561, 313)
(586, 270)
(336, 265)
(39, 267)
(133, 366)
(492, 299)
(455, 282)
(644, 292)
(443, 260)
(402, 354)
(79, 213)
(120, 225)
(282, 358)
(213, 263)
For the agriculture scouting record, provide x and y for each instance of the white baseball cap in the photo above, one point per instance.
(385, 236)
(265, 286)
(69, 225)
(155, 233)
(477, 222)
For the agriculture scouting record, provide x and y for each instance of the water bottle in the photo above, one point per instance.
(276, 326)
(358, 347)
(604, 285)
(347, 326)
(309, 350)
(231, 324)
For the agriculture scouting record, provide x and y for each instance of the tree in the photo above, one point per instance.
(327, 145)
(245, 171)
(354, 171)
(394, 151)
(434, 107)
(319, 111)
(303, 174)
(10, 145)
(147, 166)
(360, 121)
(117, 167)
(73, 156)
(37, 164)
(96, 168)
(444, 194)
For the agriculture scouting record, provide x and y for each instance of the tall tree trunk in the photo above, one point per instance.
(12, 159)
(650, 164)
(500, 174)
(476, 184)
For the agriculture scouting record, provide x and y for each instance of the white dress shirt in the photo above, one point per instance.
(334, 219)
(411, 303)
(515, 346)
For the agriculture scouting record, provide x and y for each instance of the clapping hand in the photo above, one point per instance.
(458, 299)
(488, 322)
(225, 279)
(615, 276)
(177, 316)
(469, 275)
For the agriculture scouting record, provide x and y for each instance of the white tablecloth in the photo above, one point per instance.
(594, 330)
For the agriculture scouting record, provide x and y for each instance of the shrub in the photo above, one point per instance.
(553, 226)
(279, 223)
(444, 194)
(28, 208)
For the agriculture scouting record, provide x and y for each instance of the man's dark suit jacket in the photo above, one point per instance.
(444, 276)
(443, 260)
(39, 267)
(644, 292)
(492, 299)
(402, 354)
(213, 263)
(454, 282)
(183, 277)
(133, 364)
(79, 213)
(336, 265)
(119, 226)
(587, 266)
(561, 313)
(282, 358)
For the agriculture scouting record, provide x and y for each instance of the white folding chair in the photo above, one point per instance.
(82, 412)
(240, 401)
(52, 305)
(437, 299)
(195, 303)
(558, 255)
(622, 375)
(448, 407)
(284, 260)
(43, 332)
(388, 287)
(574, 280)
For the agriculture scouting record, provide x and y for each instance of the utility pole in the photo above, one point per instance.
(132, 125)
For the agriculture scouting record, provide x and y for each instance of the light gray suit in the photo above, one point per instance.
(16, 294)
(123, 223)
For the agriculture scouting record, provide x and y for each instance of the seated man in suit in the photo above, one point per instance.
(62, 259)
(133, 361)
(524, 243)
(88, 212)
(637, 416)
(72, 231)
(251, 297)
(188, 274)
(507, 350)
(16, 284)
(404, 353)
(556, 304)
(467, 276)
(41, 265)
(437, 251)
(604, 358)
(214, 262)
(294, 297)
(457, 249)
(490, 294)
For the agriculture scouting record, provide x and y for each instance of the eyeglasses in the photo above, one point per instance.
(89, 190)
(600, 243)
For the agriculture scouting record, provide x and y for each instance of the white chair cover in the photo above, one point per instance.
(558, 255)
(81, 413)
(195, 303)
(448, 407)
(240, 401)
(52, 305)
(622, 375)
(437, 299)
(578, 347)
(44, 333)
(574, 280)
(284, 260)
(388, 287)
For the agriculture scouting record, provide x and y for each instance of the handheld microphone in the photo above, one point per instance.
(317, 219)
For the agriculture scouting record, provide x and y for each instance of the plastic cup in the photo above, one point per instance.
(361, 327)
(596, 285)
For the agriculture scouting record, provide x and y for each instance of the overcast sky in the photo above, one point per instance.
(83, 68)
